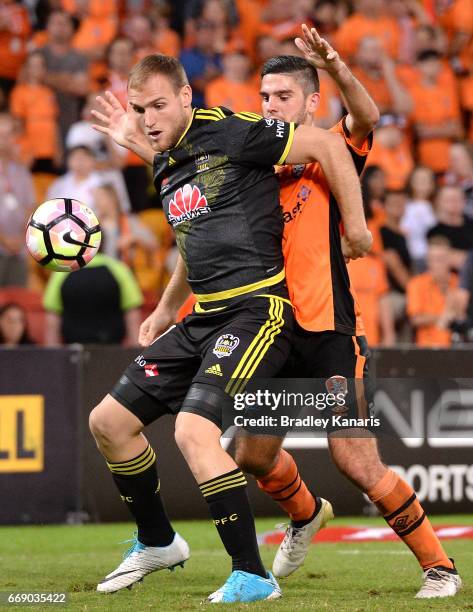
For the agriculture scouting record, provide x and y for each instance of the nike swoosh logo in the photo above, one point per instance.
(119, 574)
(68, 238)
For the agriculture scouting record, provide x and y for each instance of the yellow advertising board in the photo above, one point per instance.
(21, 433)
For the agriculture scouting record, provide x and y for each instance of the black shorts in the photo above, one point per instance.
(339, 362)
(199, 364)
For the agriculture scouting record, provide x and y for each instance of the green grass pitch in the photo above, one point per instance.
(341, 577)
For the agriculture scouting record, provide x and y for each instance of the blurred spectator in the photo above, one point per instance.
(327, 17)
(13, 326)
(419, 216)
(202, 63)
(80, 180)
(66, 69)
(370, 19)
(166, 40)
(216, 12)
(98, 304)
(396, 254)
(42, 144)
(280, 19)
(82, 133)
(266, 47)
(221, 14)
(249, 19)
(109, 157)
(16, 203)
(431, 295)
(234, 89)
(466, 94)
(464, 301)
(98, 25)
(377, 72)
(120, 58)
(391, 151)
(450, 210)
(436, 112)
(369, 280)
(122, 232)
(427, 37)
(287, 46)
(409, 15)
(457, 21)
(460, 173)
(373, 181)
(139, 30)
(142, 242)
(373, 184)
(14, 33)
(148, 38)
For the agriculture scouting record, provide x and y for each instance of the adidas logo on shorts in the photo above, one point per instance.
(215, 369)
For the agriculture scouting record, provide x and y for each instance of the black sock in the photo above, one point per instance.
(318, 506)
(231, 511)
(138, 483)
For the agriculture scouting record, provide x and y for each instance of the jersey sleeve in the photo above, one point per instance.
(382, 284)
(18, 106)
(130, 292)
(52, 299)
(359, 154)
(415, 299)
(258, 141)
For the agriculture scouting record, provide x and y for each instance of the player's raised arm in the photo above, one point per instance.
(165, 312)
(363, 112)
(122, 126)
(312, 144)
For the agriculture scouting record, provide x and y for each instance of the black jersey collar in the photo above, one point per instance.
(186, 130)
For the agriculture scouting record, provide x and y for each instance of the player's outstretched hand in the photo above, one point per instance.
(156, 324)
(115, 121)
(317, 50)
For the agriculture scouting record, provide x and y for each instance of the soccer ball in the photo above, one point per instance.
(63, 234)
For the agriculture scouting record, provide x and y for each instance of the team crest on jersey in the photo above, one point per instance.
(188, 203)
(304, 193)
(298, 170)
(337, 385)
(202, 162)
(225, 345)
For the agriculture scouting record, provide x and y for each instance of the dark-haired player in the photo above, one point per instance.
(328, 338)
(214, 172)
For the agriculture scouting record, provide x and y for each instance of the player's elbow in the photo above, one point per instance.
(375, 116)
(331, 146)
(370, 120)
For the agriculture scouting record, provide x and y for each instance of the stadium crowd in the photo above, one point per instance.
(414, 57)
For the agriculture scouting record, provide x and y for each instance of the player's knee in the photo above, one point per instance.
(195, 436)
(104, 426)
(188, 440)
(255, 464)
(100, 425)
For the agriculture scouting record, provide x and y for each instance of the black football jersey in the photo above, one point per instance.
(221, 196)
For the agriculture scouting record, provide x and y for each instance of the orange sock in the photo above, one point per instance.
(401, 509)
(287, 488)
